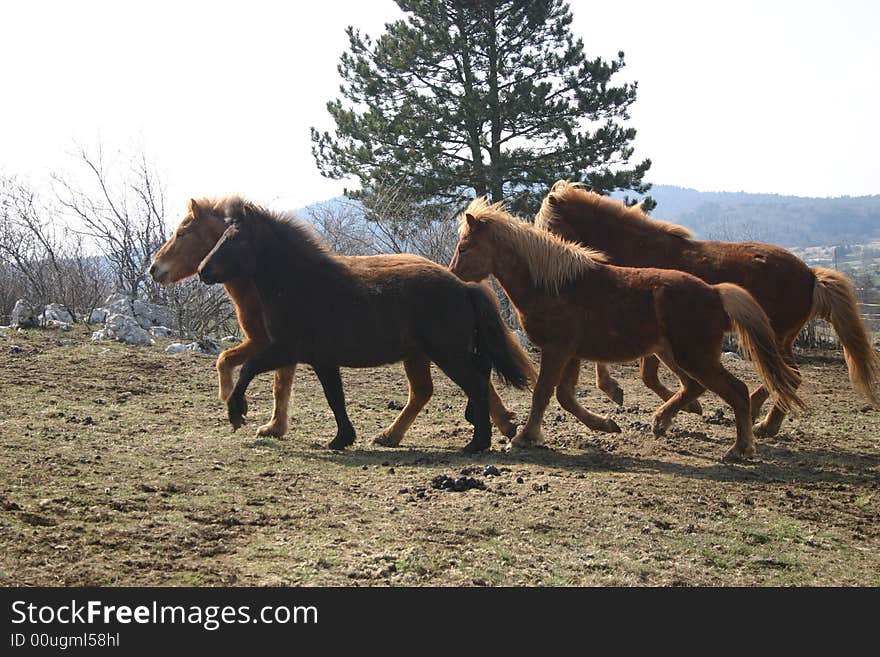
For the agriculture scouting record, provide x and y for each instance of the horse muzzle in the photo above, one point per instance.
(207, 276)
(158, 275)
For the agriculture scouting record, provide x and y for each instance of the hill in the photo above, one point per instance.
(786, 220)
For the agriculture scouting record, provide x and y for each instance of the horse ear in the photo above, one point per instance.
(472, 221)
(553, 199)
(194, 208)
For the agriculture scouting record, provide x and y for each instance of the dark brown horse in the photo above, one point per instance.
(179, 259)
(574, 306)
(787, 289)
(332, 312)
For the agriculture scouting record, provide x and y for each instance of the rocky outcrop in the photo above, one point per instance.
(25, 314)
(123, 328)
(55, 312)
(204, 346)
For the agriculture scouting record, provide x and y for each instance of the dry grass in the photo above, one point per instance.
(118, 467)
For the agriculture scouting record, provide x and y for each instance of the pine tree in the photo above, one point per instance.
(494, 97)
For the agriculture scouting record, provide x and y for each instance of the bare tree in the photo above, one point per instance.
(342, 226)
(48, 261)
(200, 310)
(122, 209)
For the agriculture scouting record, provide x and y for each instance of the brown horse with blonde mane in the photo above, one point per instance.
(179, 258)
(786, 288)
(574, 306)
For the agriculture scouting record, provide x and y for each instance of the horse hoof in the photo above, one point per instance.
(765, 430)
(271, 429)
(475, 446)
(659, 426)
(522, 441)
(340, 442)
(611, 426)
(617, 396)
(385, 439)
(694, 407)
(734, 455)
(507, 429)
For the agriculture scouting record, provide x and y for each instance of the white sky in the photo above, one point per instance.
(769, 96)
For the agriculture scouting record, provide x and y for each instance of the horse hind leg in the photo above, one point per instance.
(471, 374)
(421, 387)
(608, 384)
(331, 382)
(686, 394)
(565, 395)
(649, 367)
(714, 377)
(281, 389)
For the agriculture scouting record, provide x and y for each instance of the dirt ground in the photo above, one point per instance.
(117, 467)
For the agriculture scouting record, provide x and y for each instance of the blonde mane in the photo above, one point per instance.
(564, 190)
(551, 260)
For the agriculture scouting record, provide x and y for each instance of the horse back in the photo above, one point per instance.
(778, 280)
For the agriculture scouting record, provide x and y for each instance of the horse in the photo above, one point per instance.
(573, 305)
(330, 311)
(789, 292)
(179, 258)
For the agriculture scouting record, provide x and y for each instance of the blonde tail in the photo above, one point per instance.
(834, 299)
(758, 342)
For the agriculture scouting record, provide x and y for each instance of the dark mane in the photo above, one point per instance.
(296, 236)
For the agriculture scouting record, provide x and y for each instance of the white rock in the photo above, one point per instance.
(161, 331)
(25, 314)
(732, 354)
(118, 304)
(55, 312)
(230, 338)
(123, 329)
(151, 314)
(194, 347)
(54, 323)
(98, 316)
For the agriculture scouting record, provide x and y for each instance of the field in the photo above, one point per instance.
(118, 467)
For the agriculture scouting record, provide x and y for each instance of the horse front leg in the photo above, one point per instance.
(421, 387)
(281, 389)
(231, 358)
(331, 381)
(271, 358)
(649, 367)
(565, 395)
(552, 362)
(607, 384)
(502, 418)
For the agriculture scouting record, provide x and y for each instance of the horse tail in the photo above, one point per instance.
(834, 300)
(758, 342)
(494, 339)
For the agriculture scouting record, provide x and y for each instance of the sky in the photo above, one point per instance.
(774, 96)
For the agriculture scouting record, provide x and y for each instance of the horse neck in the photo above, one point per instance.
(296, 270)
(512, 272)
(625, 243)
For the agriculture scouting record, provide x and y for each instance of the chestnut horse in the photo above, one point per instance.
(786, 288)
(331, 312)
(179, 259)
(573, 306)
